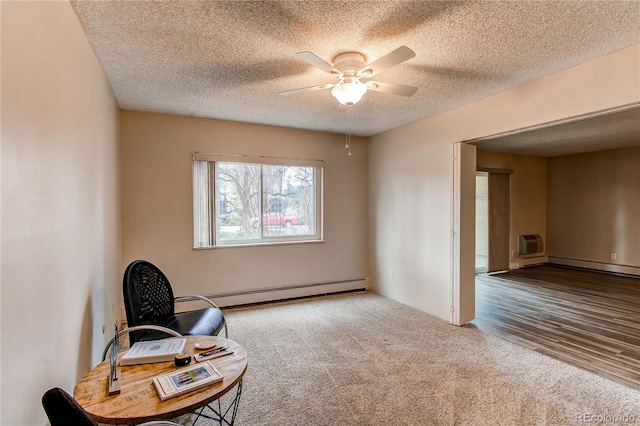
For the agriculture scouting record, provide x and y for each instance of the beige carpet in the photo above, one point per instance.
(362, 359)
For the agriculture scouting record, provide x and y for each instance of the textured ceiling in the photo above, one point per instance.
(608, 131)
(229, 59)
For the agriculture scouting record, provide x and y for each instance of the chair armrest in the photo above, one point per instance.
(191, 297)
(135, 328)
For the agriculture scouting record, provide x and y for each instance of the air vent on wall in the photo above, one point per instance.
(530, 244)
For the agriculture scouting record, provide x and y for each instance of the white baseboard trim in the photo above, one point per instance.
(246, 297)
(599, 266)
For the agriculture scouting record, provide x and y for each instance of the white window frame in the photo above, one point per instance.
(206, 232)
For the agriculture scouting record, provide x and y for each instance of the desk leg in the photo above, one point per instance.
(218, 414)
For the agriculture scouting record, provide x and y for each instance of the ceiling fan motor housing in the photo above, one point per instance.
(349, 63)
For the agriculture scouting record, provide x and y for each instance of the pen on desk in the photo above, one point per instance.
(214, 351)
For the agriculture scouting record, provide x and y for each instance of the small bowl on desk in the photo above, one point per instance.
(208, 343)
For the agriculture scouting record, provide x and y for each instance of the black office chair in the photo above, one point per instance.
(148, 299)
(63, 410)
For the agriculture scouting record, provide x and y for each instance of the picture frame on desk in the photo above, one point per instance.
(185, 380)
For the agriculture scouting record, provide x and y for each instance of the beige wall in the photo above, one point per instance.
(157, 205)
(528, 194)
(60, 206)
(410, 171)
(594, 209)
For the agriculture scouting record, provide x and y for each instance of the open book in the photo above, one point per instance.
(186, 380)
(153, 351)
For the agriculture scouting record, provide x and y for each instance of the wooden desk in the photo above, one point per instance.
(138, 400)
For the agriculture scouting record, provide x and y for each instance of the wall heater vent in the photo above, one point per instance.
(530, 244)
(530, 250)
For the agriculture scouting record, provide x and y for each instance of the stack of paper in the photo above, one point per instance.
(153, 351)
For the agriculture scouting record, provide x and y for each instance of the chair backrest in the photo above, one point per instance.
(63, 410)
(148, 297)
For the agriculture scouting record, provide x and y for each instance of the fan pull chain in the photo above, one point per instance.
(348, 145)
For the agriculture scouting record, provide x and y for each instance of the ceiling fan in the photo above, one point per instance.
(353, 75)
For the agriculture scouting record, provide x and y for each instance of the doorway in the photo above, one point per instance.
(482, 221)
(543, 140)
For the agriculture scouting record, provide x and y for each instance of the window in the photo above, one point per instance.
(255, 200)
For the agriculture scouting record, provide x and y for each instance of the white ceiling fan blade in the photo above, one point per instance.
(306, 89)
(396, 89)
(401, 54)
(317, 62)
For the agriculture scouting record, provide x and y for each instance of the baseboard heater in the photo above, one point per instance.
(272, 294)
(523, 262)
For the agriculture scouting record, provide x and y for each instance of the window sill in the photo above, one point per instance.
(271, 243)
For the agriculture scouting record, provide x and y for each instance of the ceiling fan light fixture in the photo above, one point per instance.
(349, 93)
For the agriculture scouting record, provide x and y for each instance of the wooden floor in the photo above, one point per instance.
(584, 318)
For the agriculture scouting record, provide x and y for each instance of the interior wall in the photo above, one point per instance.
(594, 209)
(499, 221)
(410, 168)
(60, 206)
(463, 238)
(528, 193)
(157, 217)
